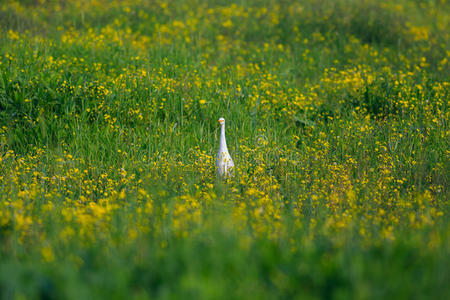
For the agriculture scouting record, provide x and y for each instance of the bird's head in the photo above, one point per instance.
(221, 121)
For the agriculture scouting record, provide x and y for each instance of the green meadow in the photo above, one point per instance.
(337, 119)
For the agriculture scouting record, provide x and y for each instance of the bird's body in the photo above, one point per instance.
(224, 162)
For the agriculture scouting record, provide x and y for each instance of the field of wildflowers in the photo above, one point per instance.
(337, 119)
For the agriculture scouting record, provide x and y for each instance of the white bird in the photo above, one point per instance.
(224, 163)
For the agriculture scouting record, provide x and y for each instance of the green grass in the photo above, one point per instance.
(337, 120)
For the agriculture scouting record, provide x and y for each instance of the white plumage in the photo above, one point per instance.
(224, 163)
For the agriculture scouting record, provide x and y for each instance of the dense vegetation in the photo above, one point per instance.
(337, 120)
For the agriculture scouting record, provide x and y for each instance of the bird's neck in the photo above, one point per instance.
(223, 142)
